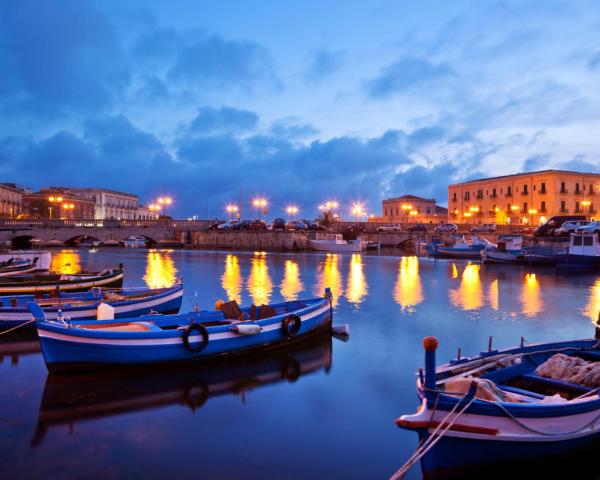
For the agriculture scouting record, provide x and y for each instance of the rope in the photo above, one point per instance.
(434, 438)
(18, 326)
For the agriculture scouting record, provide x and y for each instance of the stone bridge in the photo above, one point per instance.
(20, 233)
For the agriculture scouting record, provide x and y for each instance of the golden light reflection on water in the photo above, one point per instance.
(531, 300)
(469, 295)
(357, 284)
(65, 261)
(408, 291)
(160, 269)
(493, 295)
(231, 280)
(291, 285)
(593, 306)
(260, 285)
(454, 273)
(329, 276)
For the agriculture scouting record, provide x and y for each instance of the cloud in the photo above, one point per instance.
(323, 64)
(224, 119)
(289, 128)
(405, 74)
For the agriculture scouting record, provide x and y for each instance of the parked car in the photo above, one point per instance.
(257, 225)
(314, 226)
(215, 225)
(417, 227)
(569, 227)
(484, 228)
(296, 225)
(547, 229)
(528, 231)
(230, 225)
(591, 227)
(356, 228)
(390, 227)
(278, 224)
(446, 228)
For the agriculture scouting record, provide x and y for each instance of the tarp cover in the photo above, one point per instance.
(571, 369)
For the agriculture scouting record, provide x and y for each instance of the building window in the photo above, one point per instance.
(509, 192)
(577, 206)
(467, 196)
(454, 196)
(525, 191)
(493, 193)
(591, 188)
(525, 207)
(543, 206)
(577, 188)
(543, 187)
(563, 187)
(563, 207)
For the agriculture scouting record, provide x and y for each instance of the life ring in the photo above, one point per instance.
(186, 337)
(296, 324)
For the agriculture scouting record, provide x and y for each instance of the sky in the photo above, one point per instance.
(298, 102)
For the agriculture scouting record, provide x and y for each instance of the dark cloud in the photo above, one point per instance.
(57, 57)
(324, 63)
(227, 119)
(405, 74)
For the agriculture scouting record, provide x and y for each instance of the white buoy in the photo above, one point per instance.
(246, 329)
(105, 312)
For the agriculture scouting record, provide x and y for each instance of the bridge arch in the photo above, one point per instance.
(22, 242)
(80, 238)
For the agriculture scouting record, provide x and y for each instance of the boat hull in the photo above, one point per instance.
(578, 262)
(457, 253)
(168, 302)
(44, 257)
(82, 284)
(75, 350)
(325, 246)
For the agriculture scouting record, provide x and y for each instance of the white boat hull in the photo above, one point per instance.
(44, 257)
(329, 246)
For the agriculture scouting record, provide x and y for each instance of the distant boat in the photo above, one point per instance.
(583, 253)
(461, 248)
(336, 243)
(135, 242)
(196, 336)
(84, 305)
(44, 257)
(52, 282)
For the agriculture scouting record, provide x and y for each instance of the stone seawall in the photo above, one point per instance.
(251, 240)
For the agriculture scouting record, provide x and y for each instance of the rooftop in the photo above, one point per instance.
(410, 197)
(539, 172)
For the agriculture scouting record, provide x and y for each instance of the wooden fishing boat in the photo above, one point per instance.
(129, 303)
(195, 336)
(16, 267)
(51, 282)
(68, 400)
(510, 250)
(507, 405)
(460, 249)
(43, 258)
(583, 254)
(329, 242)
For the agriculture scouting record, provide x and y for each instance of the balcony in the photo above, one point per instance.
(563, 190)
(508, 194)
(564, 210)
(454, 200)
(542, 192)
(579, 192)
(543, 210)
(493, 195)
(525, 193)
(479, 196)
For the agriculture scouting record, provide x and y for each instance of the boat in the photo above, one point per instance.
(43, 258)
(460, 249)
(16, 267)
(40, 283)
(198, 336)
(582, 255)
(521, 403)
(336, 243)
(134, 241)
(129, 303)
(510, 250)
(70, 400)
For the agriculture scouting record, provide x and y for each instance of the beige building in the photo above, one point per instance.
(10, 200)
(524, 198)
(145, 213)
(411, 209)
(110, 204)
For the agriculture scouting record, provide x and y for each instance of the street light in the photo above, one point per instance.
(231, 210)
(53, 200)
(164, 202)
(357, 209)
(260, 203)
(292, 210)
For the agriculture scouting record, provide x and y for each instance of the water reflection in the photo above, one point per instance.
(231, 280)
(531, 300)
(291, 285)
(493, 295)
(65, 261)
(357, 284)
(260, 285)
(160, 269)
(592, 309)
(70, 399)
(329, 276)
(408, 291)
(469, 295)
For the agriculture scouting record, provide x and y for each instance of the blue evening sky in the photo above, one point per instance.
(299, 101)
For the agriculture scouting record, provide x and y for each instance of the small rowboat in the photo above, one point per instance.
(507, 405)
(81, 306)
(195, 336)
(460, 250)
(50, 282)
(70, 399)
(17, 267)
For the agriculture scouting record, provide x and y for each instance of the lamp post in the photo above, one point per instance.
(54, 200)
(163, 203)
(261, 206)
(231, 210)
(357, 209)
(291, 210)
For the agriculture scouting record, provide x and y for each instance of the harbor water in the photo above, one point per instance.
(324, 410)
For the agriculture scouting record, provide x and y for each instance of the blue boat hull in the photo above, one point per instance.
(577, 262)
(67, 353)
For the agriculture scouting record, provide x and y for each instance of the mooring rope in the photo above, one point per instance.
(18, 326)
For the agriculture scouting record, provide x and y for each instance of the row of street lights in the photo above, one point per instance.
(261, 205)
(161, 204)
(58, 201)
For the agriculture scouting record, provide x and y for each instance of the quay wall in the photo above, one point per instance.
(251, 240)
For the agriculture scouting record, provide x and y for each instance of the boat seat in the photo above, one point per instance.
(122, 327)
(552, 382)
(266, 311)
(231, 311)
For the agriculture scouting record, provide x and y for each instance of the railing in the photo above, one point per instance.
(109, 223)
(525, 192)
(508, 194)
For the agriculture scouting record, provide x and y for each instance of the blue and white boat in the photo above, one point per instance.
(196, 336)
(508, 405)
(460, 249)
(129, 303)
(582, 255)
(510, 249)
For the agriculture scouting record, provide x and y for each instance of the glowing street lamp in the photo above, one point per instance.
(292, 210)
(357, 209)
(53, 200)
(261, 205)
(231, 210)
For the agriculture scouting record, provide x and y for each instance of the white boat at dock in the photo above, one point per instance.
(336, 243)
(135, 242)
(44, 257)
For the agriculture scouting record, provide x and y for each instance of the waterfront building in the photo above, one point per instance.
(57, 203)
(411, 208)
(11, 197)
(146, 213)
(524, 198)
(109, 204)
